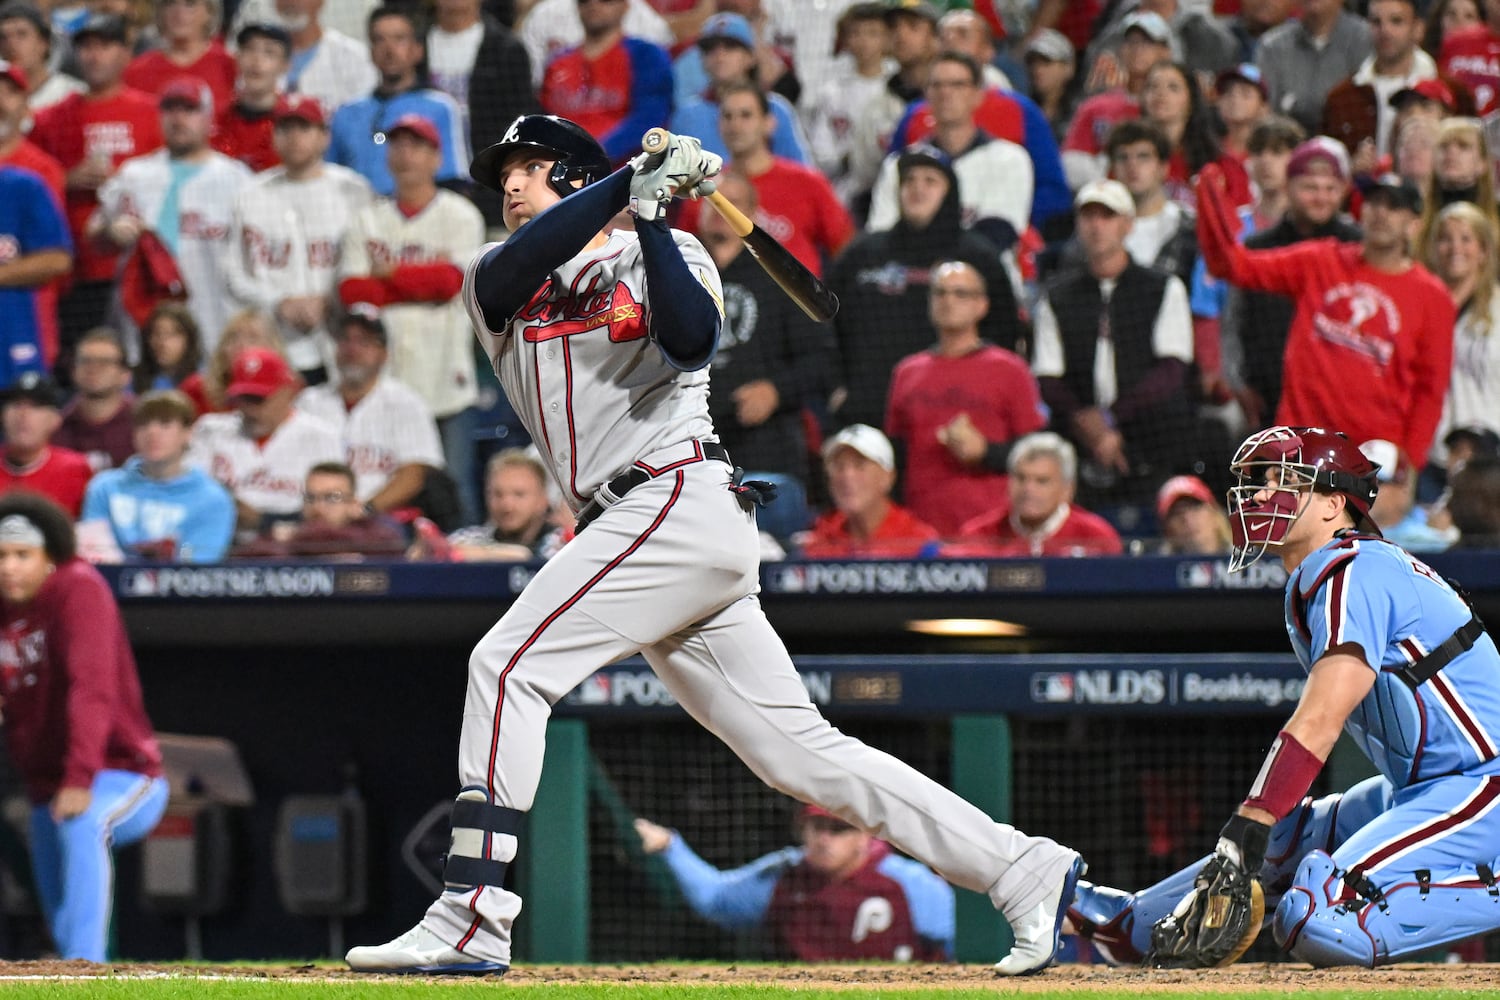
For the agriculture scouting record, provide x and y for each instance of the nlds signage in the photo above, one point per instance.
(1100, 687)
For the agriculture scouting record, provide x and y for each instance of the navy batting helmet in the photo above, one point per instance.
(579, 156)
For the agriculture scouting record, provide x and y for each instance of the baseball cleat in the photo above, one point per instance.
(1039, 934)
(419, 952)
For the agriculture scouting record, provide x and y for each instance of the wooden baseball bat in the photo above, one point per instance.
(800, 284)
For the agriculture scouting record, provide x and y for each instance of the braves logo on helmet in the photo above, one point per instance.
(1275, 467)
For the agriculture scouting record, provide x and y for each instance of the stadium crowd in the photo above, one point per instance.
(1081, 248)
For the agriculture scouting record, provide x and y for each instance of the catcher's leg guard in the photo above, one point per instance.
(482, 843)
(1319, 824)
(1330, 918)
(1107, 918)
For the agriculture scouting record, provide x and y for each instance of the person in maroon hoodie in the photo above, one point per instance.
(75, 726)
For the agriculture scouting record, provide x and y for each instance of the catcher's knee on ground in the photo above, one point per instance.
(1322, 920)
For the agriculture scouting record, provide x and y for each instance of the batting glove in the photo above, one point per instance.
(682, 167)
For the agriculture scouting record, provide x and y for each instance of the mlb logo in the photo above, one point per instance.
(594, 691)
(1052, 689)
(140, 583)
(791, 580)
(1198, 575)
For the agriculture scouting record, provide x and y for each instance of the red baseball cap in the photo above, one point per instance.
(418, 126)
(1432, 90)
(300, 107)
(258, 372)
(15, 74)
(187, 92)
(1182, 488)
(810, 811)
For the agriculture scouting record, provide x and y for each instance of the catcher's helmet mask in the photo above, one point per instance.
(1290, 461)
(577, 155)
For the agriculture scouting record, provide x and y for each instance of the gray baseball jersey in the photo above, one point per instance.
(670, 571)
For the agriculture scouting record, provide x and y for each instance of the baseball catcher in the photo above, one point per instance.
(1403, 862)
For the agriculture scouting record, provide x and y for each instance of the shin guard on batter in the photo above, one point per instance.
(482, 843)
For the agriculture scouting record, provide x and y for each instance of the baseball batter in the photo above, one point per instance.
(1403, 862)
(601, 340)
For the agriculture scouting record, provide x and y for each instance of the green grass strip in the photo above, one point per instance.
(282, 989)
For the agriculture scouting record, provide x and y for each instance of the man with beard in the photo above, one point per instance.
(263, 450)
(882, 282)
(390, 437)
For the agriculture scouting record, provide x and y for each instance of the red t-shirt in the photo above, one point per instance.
(1236, 178)
(152, 71)
(998, 114)
(61, 475)
(1077, 533)
(121, 124)
(595, 93)
(1095, 117)
(899, 536)
(1472, 55)
(29, 156)
(996, 389)
(799, 209)
(73, 702)
(246, 136)
(106, 445)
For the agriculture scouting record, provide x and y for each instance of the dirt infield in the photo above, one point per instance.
(1257, 977)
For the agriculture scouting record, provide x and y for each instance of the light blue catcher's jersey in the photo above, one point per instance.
(1368, 591)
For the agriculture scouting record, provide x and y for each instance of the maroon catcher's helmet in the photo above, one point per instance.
(1293, 459)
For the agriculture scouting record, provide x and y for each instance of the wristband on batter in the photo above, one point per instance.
(1285, 777)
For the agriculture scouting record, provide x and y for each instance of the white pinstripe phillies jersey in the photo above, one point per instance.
(270, 476)
(430, 349)
(203, 202)
(285, 238)
(1370, 592)
(579, 366)
(389, 428)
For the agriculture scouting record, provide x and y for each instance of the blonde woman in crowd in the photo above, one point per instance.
(1462, 171)
(1463, 256)
(246, 328)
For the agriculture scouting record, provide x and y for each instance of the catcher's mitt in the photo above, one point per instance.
(1220, 918)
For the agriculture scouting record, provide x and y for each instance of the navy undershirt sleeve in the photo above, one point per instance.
(685, 318)
(512, 272)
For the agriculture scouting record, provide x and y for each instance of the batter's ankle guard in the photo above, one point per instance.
(483, 841)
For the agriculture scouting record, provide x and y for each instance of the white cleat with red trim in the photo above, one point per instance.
(419, 952)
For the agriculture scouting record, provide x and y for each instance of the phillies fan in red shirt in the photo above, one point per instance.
(841, 896)
(91, 134)
(797, 204)
(31, 414)
(1371, 345)
(188, 48)
(865, 523)
(75, 727)
(244, 125)
(1472, 55)
(957, 406)
(1038, 518)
